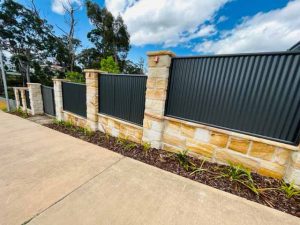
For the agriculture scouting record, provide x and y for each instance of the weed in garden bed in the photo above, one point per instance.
(289, 189)
(21, 113)
(183, 159)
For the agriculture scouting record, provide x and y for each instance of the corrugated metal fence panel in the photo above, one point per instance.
(20, 98)
(257, 94)
(48, 100)
(74, 98)
(27, 99)
(123, 96)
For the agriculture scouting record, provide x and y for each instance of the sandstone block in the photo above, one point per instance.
(219, 139)
(187, 131)
(201, 148)
(202, 135)
(261, 150)
(163, 61)
(226, 156)
(171, 148)
(156, 94)
(177, 141)
(159, 72)
(239, 145)
(281, 156)
(271, 169)
(151, 135)
(292, 175)
(296, 160)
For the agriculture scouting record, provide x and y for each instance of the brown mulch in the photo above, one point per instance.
(273, 198)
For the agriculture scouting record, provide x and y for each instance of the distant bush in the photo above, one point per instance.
(109, 65)
(75, 77)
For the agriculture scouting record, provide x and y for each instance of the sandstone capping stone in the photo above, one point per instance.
(163, 52)
(239, 145)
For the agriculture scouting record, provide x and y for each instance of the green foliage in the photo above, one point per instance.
(146, 147)
(290, 190)
(199, 169)
(110, 35)
(21, 113)
(108, 65)
(89, 58)
(183, 159)
(130, 67)
(125, 144)
(75, 77)
(26, 36)
(238, 173)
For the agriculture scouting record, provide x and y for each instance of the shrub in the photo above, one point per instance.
(109, 65)
(75, 77)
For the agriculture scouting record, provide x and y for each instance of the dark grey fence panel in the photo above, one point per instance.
(27, 99)
(257, 94)
(123, 96)
(20, 98)
(74, 98)
(48, 100)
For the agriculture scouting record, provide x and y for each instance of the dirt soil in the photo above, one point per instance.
(211, 175)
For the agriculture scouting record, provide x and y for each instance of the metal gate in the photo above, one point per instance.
(48, 100)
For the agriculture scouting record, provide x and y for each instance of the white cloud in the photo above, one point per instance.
(275, 30)
(166, 22)
(58, 6)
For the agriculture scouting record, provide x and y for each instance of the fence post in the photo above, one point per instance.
(36, 99)
(58, 98)
(23, 99)
(157, 83)
(92, 107)
(16, 91)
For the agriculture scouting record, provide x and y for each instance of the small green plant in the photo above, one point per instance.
(125, 144)
(238, 173)
(146, 147)
(183, 159)
(130, 146)
(199, 169)
(21, 113)
(289, 189)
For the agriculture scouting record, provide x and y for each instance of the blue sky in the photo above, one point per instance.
(193, 27)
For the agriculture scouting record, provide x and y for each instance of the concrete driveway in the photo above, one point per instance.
(50, 178)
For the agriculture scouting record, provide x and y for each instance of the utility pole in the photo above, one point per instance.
(4, 79)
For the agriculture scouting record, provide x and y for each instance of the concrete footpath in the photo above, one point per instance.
(47, 177)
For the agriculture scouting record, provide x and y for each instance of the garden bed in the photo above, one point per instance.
(233, 179)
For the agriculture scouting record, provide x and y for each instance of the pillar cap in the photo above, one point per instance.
(93, 71)
(162, 52)
(33, 83)
(58, 79)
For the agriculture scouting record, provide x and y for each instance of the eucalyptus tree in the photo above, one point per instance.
(110, 35)
(25, 35)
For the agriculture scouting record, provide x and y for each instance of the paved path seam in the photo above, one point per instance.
(81, 185)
